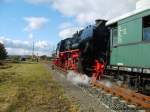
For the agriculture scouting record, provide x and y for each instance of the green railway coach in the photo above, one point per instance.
(130, 39)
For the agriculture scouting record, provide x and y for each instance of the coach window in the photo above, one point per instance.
(146, 28)
(114, 33)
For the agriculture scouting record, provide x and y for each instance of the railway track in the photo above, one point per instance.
(139, 100)
(115, 97)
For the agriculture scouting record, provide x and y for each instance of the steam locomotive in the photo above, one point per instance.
(86, 50)
(111, 48)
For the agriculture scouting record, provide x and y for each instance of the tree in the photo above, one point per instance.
(3, 53)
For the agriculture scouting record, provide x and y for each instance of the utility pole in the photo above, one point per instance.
(37, 57)
(33, 51)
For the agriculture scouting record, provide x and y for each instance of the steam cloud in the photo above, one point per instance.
(78, 79)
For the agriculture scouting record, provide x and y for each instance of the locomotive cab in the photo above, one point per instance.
(94, 46)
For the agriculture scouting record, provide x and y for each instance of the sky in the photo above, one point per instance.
(46, 22)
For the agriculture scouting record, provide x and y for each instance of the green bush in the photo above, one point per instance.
(16, 59)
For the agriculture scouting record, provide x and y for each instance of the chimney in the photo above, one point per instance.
(99, 21)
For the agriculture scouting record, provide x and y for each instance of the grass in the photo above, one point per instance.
(31, 88)
(4, 65)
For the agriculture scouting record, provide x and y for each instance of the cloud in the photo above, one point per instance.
(86, 11)
(15, 43)
(20, 51)
(35, 23)
(67, 29)
(20, 47)
(1, 41)
(68, 32)
(41, 45)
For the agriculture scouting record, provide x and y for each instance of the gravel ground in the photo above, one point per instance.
(86, 101)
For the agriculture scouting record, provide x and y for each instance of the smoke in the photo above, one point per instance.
(106, 83)
(78, 79)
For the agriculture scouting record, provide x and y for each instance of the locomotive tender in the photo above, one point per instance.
(119, 48)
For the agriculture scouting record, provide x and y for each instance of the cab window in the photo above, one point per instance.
(146, 28)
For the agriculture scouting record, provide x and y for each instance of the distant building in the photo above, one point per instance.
(23, 58)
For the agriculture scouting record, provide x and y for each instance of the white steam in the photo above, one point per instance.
(106, 83)
(78, 79)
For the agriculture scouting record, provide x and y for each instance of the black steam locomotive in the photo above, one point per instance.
(92, 44)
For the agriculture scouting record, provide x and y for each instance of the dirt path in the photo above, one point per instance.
(86, 102)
